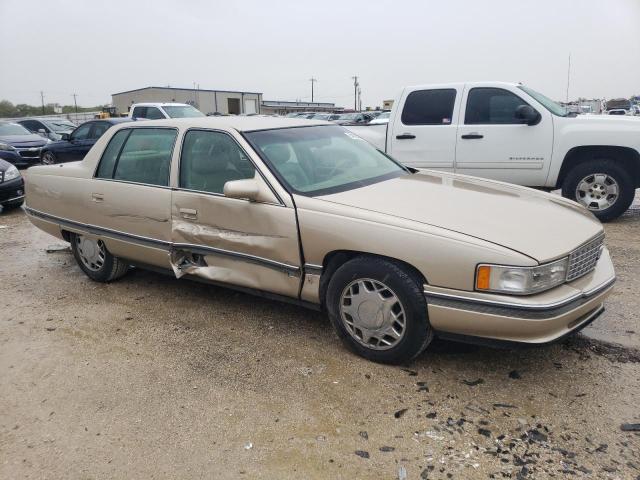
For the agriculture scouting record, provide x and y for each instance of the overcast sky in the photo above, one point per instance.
(98, 48)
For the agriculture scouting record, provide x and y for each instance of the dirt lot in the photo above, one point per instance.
(152, 377)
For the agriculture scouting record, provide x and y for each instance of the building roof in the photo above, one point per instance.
(186, 90)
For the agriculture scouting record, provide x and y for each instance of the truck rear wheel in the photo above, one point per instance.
(602, 186)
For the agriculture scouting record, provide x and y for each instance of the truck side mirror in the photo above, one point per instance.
(528, 115)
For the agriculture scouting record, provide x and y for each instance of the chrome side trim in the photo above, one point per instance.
(519, 306)
(163, 244)
(206, 250)
(96, 230)
(313, 269)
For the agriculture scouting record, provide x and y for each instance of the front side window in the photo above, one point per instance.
(140, 155)
(99, 129)
(486, 106)
(211, 159)
(320, 160)
(429, 107)
(82, 132)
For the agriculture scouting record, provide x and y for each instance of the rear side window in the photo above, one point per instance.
(492, 106)
(154, 114)
(110, 154)
(139, 112)
(142, 155)
(429, 107)
(99, 129)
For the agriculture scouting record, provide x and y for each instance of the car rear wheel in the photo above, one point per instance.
(602, 186)
(48, 158)
(378, 309)
(95, 260)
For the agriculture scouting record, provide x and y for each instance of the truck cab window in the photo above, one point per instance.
(429, 107)
(487, 106)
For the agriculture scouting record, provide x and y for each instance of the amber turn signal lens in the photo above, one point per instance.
(483, 277)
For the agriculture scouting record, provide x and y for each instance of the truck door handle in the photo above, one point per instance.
(97, 197)
(188, 213)
(405, 136)
(472, 136)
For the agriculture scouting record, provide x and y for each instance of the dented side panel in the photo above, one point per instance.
(243, 243)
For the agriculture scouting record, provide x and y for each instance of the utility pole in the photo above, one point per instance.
(359, 98)
(355, 92)
(312, 80)
(75, 102)
(42, 100)
(568, 77)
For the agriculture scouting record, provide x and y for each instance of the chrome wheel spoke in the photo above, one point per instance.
(597, 191)
(372, 314)
(92, 253)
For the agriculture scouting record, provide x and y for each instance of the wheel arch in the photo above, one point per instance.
(629, 157)
(334, 259)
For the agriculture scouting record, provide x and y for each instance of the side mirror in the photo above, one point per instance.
(528, 115)
(42, 131)
(252, 189)
(65, 136)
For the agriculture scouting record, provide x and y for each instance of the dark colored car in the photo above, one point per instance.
(11, 186)
(19, 146)
(75, 145)
(51, 128)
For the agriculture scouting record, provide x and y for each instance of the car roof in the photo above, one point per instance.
(241, 124)
(161, 104)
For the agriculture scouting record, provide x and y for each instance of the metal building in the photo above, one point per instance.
(282, 107)
(207, 101)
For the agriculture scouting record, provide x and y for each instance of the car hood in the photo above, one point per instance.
(31, 140)
(537, 224)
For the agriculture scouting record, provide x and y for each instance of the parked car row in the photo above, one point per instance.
(358, 118)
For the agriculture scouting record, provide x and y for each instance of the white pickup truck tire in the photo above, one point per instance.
(601, 185)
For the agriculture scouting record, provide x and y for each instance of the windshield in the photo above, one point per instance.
(61, 126)
(182, 111)
(13, 129)
(383, 115)
(349, 116)
(547, 103)
(322, 159)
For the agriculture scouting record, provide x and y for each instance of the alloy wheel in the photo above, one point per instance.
(92, 253)
(372, 314)
(597, 191)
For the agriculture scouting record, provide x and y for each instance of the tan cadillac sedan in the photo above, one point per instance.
(307, 212)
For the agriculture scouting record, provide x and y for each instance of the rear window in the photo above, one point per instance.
(429, 107)
(141, 155)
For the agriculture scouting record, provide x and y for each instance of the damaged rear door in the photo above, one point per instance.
(230, 240)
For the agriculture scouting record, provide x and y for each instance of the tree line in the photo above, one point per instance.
(8, 109)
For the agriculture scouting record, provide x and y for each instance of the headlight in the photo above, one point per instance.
(521, 280)
(11, 173)
(4, 146)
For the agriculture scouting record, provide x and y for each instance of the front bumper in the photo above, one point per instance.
(12, 191)
(22, 157)
(533, 319)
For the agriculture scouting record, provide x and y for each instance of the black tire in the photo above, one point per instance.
(49, 158)
(12, 205)
(610, 167)
(112, 268)
(407, 287)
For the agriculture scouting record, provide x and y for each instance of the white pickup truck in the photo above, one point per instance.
(508, 132)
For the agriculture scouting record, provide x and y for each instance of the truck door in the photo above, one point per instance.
(423, 133)
(493, 143)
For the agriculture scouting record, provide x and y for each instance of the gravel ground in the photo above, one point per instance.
(152, 377)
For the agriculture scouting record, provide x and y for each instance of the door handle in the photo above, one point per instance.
(405, 136)
(472, 136)
(188, 213)
(97, 197)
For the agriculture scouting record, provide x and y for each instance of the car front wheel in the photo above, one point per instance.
(95, 260)
(602, 186)
(48, 158)
(378, 309)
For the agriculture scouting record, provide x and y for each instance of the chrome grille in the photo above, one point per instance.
(583, 259)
